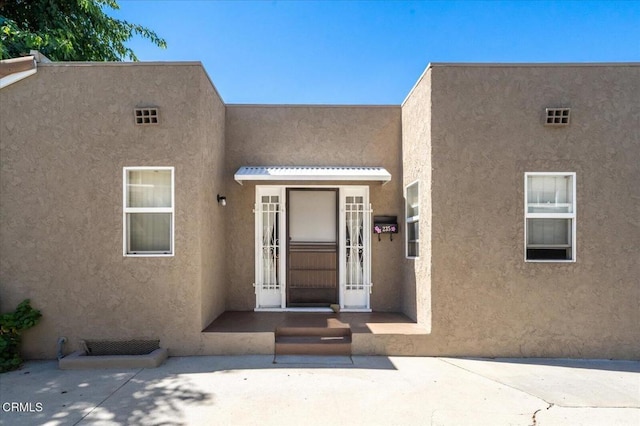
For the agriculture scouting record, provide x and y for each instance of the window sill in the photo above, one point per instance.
(149, 255)
(549, 261)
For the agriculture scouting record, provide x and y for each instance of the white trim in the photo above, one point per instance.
(308, 173)
(343, 190)
(19, 64)
(550, 173)
(15, 77)
(269, 298)
(126, 210)
(572, 216)
(355, 299)
(411, 219)
(315, 310)
(319, 310)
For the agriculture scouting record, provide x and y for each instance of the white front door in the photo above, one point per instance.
(312, 247)
(354, 247)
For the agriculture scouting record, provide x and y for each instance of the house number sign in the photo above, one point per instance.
(385, 228)
(385, 225)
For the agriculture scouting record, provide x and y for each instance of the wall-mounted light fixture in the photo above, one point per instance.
(222, 200)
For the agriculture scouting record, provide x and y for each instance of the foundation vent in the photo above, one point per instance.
(121, 347)
(145, 116)
(557, 116)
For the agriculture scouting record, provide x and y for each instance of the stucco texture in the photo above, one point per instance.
(65, 136)
(313, 136)
(486, 132)
(416, 160)
(467, 133)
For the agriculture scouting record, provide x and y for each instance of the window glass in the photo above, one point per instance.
(550, 216)
(550, 194)
(149, 188)
(148, 211)
(412, 239)
(412, 220)
(549, 231)
(149, 232)
(413, 209)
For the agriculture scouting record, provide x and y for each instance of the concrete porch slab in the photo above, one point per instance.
(379, 323)
(373, 333)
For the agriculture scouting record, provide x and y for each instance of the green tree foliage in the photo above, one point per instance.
(68, 30)
(11, 326)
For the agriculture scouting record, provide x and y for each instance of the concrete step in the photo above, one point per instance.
(313, 345)
(313, 331)
(313, 335)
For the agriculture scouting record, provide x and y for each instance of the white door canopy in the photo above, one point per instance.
(310, 173)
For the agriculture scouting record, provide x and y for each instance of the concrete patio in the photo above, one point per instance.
(248, 390)
(256, 333)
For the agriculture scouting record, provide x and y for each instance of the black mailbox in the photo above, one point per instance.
(385, 225)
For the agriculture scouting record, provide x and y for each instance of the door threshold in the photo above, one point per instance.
(322, 310)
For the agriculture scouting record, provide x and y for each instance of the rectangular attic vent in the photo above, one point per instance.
(557, 116)
(145, 116)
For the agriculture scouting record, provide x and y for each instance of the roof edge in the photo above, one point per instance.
(415, 85)
(514, 65)
(121, 64)
(149, 63)
(16, 69)
(533, 64)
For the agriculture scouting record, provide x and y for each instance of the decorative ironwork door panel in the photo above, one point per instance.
(313, 268)
(269, 282)
(355, 259)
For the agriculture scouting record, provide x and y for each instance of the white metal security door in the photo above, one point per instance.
(269, 257)
(355, 248)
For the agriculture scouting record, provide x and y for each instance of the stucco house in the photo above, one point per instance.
(493, 213)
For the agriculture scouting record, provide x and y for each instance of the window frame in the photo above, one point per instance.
(133, 210)
(409, 220)
(571, 216)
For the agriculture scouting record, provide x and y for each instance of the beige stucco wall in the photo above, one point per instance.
(212, 226)
(65, 135)
(467, 133)
(313, 136)
(416, 161)
(486, 133)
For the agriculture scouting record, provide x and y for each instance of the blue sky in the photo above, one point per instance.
(343, 52)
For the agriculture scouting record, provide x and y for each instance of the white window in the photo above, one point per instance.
(550, 217)
(412, 214)
(148, 214)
